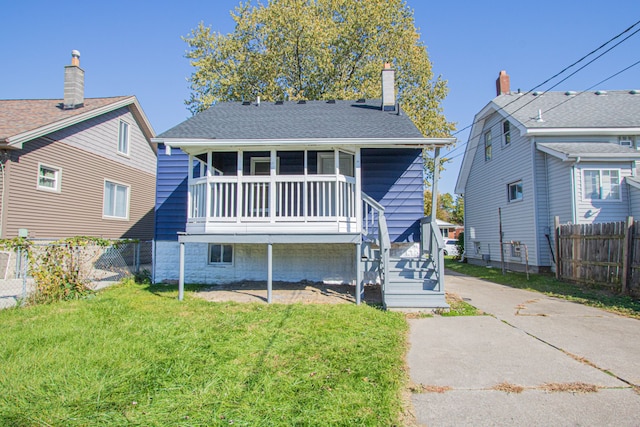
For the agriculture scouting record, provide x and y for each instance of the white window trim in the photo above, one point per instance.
(504, 135)
(221, 263)
(58, 179)
(509, 199)
(255, 160)
(490, 146)
(324, 156)
(119, 218)
(600, 170)
(128, 137)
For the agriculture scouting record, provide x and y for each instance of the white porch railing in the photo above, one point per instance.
(267, 198)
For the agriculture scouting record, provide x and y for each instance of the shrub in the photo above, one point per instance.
(460, 244)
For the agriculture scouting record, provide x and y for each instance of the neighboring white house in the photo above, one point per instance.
(531, 157)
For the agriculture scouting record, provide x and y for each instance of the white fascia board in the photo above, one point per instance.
(557, 154)
(470, 151)
(589, 157)
(199, 144)
(18, 140)
(633, 182)
(582, 131)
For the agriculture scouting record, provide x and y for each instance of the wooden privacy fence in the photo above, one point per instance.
(606, 254)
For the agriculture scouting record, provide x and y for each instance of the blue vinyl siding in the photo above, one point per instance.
(171, 194)
(394, 178)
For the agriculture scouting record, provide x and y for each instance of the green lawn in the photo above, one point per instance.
(134, 355)
(547, 284)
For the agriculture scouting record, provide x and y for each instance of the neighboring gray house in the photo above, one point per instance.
(76, 166)
(531, 157)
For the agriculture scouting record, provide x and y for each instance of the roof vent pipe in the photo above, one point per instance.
(73, 83)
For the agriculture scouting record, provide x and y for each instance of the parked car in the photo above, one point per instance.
(451, 247)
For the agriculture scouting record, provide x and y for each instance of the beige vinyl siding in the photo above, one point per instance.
(77, 209)
(100, 136)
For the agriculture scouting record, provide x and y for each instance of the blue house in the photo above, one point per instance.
(326, 191)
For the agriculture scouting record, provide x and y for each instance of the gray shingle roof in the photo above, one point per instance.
(611, 109)
(291, 120)
(586, 149)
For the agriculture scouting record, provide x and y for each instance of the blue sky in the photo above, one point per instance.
(134, 47)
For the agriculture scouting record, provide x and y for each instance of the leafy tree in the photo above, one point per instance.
(449, 210)
(457, 213)
(317, 49)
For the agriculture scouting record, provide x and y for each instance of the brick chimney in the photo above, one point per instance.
(73, 83)
(388, 88)
(502, 84)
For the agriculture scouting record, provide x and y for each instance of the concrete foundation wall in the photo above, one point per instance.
(330, 263)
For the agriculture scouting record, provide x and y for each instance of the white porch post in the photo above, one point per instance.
(272, 184)
(434, 185)
(239, 193)
(358, 273)
(269, 271)
(181, 273)
(358, 190)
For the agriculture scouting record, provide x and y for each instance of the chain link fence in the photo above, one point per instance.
(98, 266)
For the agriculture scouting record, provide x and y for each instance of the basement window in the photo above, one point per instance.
(220, 254)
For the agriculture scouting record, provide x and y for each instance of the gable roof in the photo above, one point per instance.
(295, 120)
(22, 120)
(310, 123)
(558, 113)
(618, 109)
(593, 151)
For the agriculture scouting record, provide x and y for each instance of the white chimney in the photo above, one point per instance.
(388, 88)
(73, 83)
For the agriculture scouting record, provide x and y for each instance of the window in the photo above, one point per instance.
(506, 132)
(116, 200)
(220, 254)
(515, 191)
(487, 145)
(602, 184)
(326, 163)
(49, 178)
(626, 141)
(477, 247)
(123, 138)
(262, 165)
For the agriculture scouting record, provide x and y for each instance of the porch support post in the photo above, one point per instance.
(181, 273)
(434, 185)
(358, 273)
(269, 271)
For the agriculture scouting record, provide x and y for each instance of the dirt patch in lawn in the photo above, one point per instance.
(290, 293)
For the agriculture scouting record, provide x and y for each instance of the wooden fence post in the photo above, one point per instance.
(556, 226)
(626, 254)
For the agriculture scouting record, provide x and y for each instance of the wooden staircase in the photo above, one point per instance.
(407, 283)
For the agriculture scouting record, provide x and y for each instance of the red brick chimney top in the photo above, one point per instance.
(502, 84)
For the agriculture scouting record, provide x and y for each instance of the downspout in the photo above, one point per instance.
(4, 157)
(574, 197)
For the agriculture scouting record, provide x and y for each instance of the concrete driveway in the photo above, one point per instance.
(507, 368)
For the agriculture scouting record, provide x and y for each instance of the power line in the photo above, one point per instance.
(567, 68)
(555, 106)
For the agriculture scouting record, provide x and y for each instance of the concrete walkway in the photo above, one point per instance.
(468, 370)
